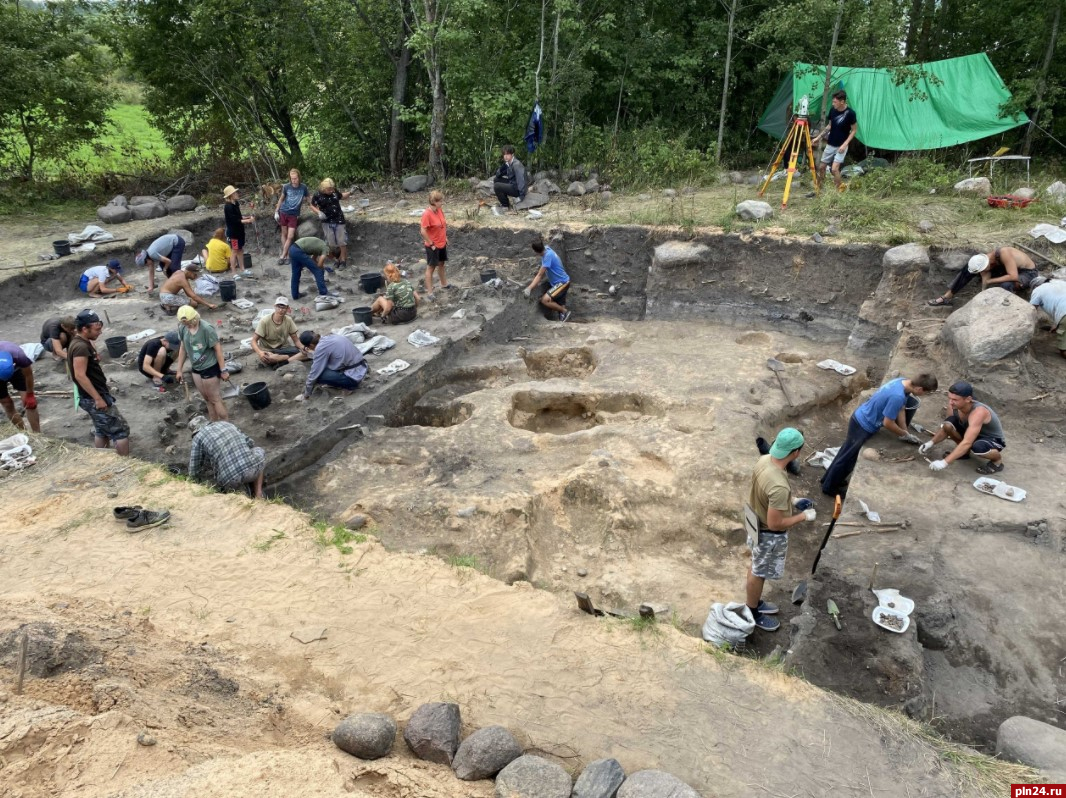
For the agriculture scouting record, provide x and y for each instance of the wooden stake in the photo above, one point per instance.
(20, 664)
(873, 575)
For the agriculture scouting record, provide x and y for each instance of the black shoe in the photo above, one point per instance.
(146, 519)
(766, 622)
(126, 513)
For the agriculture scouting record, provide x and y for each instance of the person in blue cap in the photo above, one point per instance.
(769, 512)
(94, 280)
(16, 370)
(975, 429)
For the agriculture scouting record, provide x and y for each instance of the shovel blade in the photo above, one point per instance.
(774, 364)
(799, 595)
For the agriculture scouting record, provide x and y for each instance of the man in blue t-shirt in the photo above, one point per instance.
(558, 281)
(893, 406)
(842, 127)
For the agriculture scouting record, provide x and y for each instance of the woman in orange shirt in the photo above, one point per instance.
(435, 237)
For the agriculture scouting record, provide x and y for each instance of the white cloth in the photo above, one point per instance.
(206, 286)
(420, 338)
(1056, 235)
(33, 350)
(377, 345)
(837, 366)
(140, 336)
(459, 314)
(394, 367)
(91, 233)
(16, 453)
(824, 458)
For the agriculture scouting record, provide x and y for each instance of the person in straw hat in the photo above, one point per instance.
(235, 222)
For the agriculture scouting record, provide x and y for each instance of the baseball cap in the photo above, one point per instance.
(114, 264)
(977, 264)
(7, 365)
(307, 337)
(961, 388)
(85, 318)
(281, 301)
(172, 338)
(186, 313)
(788, 440)
(142, 256)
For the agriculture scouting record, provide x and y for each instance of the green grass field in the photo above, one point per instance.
(130, 141)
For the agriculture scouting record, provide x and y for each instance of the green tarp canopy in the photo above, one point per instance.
(963, 105)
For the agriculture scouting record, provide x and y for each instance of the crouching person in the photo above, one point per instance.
(335, 362)
(225, 456)
(400, 303)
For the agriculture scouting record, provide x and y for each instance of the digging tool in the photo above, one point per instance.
(799, 595)
(584, 603)
(776, 366)
(834, 612)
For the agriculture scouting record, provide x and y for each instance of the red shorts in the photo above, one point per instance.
(288, 221)
(236, 244)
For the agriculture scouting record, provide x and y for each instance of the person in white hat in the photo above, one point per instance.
(1005, 267)
(272, 334)
(235, 222)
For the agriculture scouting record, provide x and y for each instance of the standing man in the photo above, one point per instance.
(235, 222)
(287, 213)
(434, 230)
(975, 429)
(231, 457)
(769, 513)
(336, 363)
(90, 385)
(16, 370)
(1051, 298)
(558, 280)
(56, 335)
(842, 127)
(272, 334)
(167, 251)
(308, 253)
(327, 204)
(1004, 267)
(892, 406)
(510, 181)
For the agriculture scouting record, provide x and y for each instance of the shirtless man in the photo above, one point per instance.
(169, 298)
(1005, 267)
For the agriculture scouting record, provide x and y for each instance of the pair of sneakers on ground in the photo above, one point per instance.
(138, 519)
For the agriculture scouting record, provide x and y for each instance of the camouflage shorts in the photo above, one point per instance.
(107, 423)
(768, 557)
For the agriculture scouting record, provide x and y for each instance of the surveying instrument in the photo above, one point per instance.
(799, 135)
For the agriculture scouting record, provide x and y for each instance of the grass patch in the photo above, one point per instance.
(466, 561)
(336, 535)
(265, 544)
(641, 625)
(130, 139)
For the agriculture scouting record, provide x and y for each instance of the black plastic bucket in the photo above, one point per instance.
(247, 261)
(61, 247)
(363, 315)
(371, 282)
(257, 394)
(116, 347)
(487, 275)
(228, 290)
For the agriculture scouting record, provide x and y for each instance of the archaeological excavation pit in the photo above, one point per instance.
(610, 455)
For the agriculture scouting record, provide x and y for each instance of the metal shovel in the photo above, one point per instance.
(776, 366)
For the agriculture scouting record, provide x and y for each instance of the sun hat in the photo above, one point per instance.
(85, 318)
(977, 264)
(229, 190)
(7, 365)
(788, 440)
(961, 388)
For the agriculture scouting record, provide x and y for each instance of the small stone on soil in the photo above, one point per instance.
(582, 572)
(145, 739)
(897, 554)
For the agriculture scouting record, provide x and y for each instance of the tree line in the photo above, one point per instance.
(645, 89)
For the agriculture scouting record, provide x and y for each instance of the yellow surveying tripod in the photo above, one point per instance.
(799, 135)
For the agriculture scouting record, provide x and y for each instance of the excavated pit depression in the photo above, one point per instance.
(562, 415)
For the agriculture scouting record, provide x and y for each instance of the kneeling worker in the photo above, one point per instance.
(230, 456)
(974, 427)
(335, 362)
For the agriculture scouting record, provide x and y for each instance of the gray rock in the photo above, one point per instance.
(542, 175)
(143, 199)
(577, 173)
(432, 733)
(754, 210)
(688, 191)
(582, 572)
(669, 193)
(1056, 192)
(599, 779)
(180, 203)
(148, 210)
(416, 183)
(736, 177)
(655, 784)
(466, 512)
(485, 753)
(367, 735)
(989, 327)
(592, 185)
(817, 238)
(532, 200)
(832, 230)
(311, 227)
(185, 234)
(954, 260)
(644, 197)
(754, 180)
(906, 258)
(402, 205)
(576, 189)
(114, 214)
(1025, 192)
(119, 200)
(356, 522)
(978, 186)
(533, 777)
(926, 226)
(1033, 743)
(473, 181)
(484, 189)
(544, 187)
(671, 254)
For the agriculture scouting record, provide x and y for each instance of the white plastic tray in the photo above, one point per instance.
(881, 612)
(999, 489)
(890, 599)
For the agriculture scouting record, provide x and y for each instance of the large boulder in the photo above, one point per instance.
(671, 254)
(1033, 743)
(545, 187)
(599, 779)
(1056, 192)
(655, 784)
(1025, 192)
(143, 199)
(906, 258)
(119, 200)
(533, 777)
(485, 753)
(592, 185)
(532, 200)
(311, 227)
(114, 214)
(989, 327)
(432, 733)
(978, 186)
(736, 178)
(148, 210)
(181, 203)
(416, 183)
(186, 235)
(754, 210)
(484, 188)
(576, 189)
(367, 735)
(953, 260)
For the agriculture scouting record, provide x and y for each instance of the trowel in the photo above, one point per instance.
(776, 366)
(834, 612)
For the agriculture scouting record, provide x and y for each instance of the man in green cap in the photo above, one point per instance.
(769, 513)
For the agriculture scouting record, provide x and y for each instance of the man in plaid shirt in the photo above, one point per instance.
(230, 456)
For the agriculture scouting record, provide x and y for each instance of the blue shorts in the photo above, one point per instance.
(83, 284)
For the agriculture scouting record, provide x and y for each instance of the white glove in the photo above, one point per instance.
(528, 293)
(938, 465)
(810, 514)
(908, 438)
(322, 215)
(925, 448)
(277, 217)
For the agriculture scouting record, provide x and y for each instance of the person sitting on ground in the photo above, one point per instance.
(91, 389)
(892, 406)
(509, 181)
(56, 335)
(327, 204)
(181, 280)
(166, 251)
(287, 213)
(157, 356)
(974, 427)
(1051, 298)
(227, 455)
(235, 222)
(558, 280)
(308, 253)
(94, 280)
(335, 362)
(272, 333)
(399, 305)
(217, 252)
(1006, 267)
(16, 370)
(769, 513)
(200, 345)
